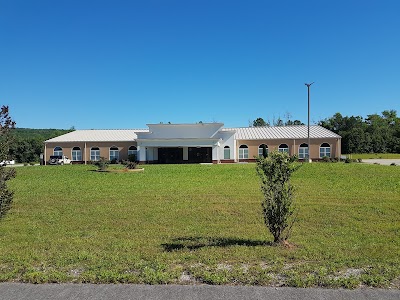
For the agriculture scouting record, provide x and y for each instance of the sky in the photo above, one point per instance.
(124, 64)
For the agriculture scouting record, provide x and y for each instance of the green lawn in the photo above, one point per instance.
(201, 224)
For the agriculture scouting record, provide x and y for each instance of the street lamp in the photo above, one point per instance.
(308, 89)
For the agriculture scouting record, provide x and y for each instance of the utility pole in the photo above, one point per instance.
(308, 89)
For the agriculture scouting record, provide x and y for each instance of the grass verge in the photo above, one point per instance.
(191, 224)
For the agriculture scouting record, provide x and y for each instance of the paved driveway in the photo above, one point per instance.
(18, 291)
(382, 161)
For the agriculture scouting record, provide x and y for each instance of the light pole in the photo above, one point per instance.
(308, 90)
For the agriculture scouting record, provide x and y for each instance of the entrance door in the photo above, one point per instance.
(200, 155)
(170, 155)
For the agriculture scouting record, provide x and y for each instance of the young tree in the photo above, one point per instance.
(6, 124)
(264, 151)
(277, 204)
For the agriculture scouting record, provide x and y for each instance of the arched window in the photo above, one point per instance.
(227, 152)
(76, 154)
(58, 151)
(114, 153)
(283, 148)
(325, 150)
(243, 152)
(303, 151)
(132, 151)
(95, 154)
(261, 149)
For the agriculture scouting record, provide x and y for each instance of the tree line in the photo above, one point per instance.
(373, 134)
(377, 133)
(27, 144)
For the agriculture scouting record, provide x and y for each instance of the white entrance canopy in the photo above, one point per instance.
(204, 135)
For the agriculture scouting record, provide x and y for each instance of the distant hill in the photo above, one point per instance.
(39, 134)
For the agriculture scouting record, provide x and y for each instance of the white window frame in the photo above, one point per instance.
(95, 154)
(243, 152)
(113, 154)
(76, 155)
(58, 152)
(260, 150)
(324, 151)
(227, 152)
(134, 152)
(283, 149)
(303, 151)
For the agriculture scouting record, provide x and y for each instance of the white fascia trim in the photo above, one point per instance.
(177, 139)
(177, 142)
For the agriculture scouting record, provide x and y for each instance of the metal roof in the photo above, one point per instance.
(98, 135)
(281, 132)
(242, 133)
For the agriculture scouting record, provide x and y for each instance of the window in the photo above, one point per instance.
(58, 151)
(261, 150)
(94, 154)
(227, 152)
(303, 151)
(76, 154)
(283, 148)
(325, 150)
(243, 152)
(114, 153)
(133, 151)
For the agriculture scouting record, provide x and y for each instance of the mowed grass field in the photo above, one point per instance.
(190, 224)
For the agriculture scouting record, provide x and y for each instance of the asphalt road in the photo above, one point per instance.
(18, 291)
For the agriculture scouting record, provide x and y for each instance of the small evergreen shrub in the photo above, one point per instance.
(114, 161)
(102, 164)
(131, 165)
(32, 163)
(326, 159)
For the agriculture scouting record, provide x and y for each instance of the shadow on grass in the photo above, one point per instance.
(194, 243)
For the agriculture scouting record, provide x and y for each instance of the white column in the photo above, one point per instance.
(185, 153)
(235, 152)
(155, 153)
(294, 148)
(218, 150)
(141, 153)
(149, 154)
(84, 151)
